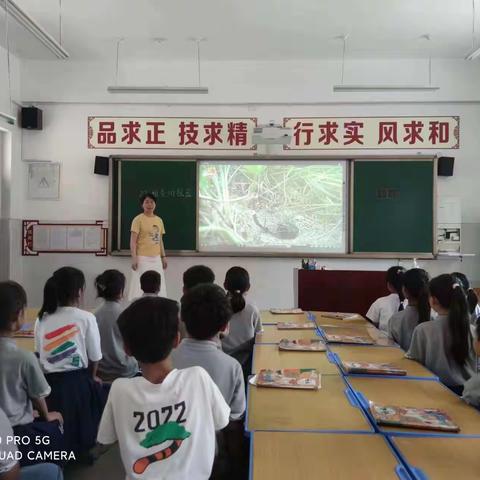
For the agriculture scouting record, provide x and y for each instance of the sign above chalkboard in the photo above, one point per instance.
(359, 133)
(171, 133)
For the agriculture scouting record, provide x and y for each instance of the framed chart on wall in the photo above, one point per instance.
(43, 181)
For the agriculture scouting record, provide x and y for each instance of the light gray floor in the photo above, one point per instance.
(108, 467)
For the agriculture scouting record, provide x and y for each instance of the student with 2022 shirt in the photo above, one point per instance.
(164, 421)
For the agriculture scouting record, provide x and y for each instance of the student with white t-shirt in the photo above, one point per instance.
(384, 307)
(68, 344)
(164, 421)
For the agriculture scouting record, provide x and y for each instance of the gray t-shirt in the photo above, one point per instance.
(242, 328)
(471, 391)
(401, 326)
(115, 362)
(7, 451)
(224, 370)
(21, 379)
(431, 347)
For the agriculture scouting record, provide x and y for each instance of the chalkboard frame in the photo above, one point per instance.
(350, 159)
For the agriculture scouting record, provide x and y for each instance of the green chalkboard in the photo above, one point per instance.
(393, 205)
(173, 182)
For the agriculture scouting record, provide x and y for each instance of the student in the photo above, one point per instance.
(206, 312)
(245, 322)
(23, 387)
(402, 324)
(196, 275)
(471, 390)
(384, 307)
(9, 466)
(164, 421)
(445, 345)
(115, 362)
(473, 306)
(68, 343)
(150, 283)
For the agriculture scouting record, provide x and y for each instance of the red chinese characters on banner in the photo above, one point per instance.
(106, 133)
(352, 133)
(212, 133)
(303, 131)
(154, 132)
(413, 132)
(388, 132)
(439, 132)
(237, 133)
(131, 129)
(188, 133)
(328, 132)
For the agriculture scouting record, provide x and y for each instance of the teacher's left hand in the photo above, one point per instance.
(164, 263)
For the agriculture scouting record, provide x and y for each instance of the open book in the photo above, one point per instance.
(340, 315)
(295, 326)
(372, 368)
(301, 378)
(331, 338)
(304, 345)
(286, 311)
(408, 417)
(25, 331)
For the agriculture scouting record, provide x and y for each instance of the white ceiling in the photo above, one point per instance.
(249, 29)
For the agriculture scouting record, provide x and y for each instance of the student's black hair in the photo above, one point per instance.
(110, 285)
(395, 279)
(13, 300)
(415, 281)
(450, 294)
(196, 275)
(146, 195)
(149, 327)
(150, 281)
(205, 311)
(62, 289)
(237, 282)
(472, 297)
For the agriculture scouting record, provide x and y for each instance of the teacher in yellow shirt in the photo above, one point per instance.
(146, 246)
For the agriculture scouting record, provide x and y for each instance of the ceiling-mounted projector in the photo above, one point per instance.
(272, 134)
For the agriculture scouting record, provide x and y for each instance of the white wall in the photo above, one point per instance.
(85, 195)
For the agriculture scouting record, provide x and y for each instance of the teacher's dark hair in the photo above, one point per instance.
(146, 195)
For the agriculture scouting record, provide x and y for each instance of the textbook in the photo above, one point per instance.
(303, 345)
(331, 338)
(340, 316)
(408, 417)
(295, 326)
(286, 311)
(26, 331)
(372, 368)
(301, 378)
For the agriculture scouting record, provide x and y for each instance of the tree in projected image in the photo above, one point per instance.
(271, 207)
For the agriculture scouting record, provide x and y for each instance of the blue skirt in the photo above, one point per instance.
(81, 401)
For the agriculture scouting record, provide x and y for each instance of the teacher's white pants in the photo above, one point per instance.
(145, 264)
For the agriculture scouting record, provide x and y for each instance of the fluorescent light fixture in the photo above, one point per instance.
(34, 28)
(384, 88)
(474, 54)
(9, 118)
(152, 89)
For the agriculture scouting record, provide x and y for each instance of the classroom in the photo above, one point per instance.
(239, 240)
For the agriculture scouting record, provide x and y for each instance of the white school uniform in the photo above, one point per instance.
(383, 308)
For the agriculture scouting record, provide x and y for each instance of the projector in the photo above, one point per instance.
(272, 135)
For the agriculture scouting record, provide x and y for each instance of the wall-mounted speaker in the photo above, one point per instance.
(445, 166)
(31, 118)
(101, 165)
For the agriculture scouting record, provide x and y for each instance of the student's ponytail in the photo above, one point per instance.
(50, 297)
(62, 289)
(472, 297)
(415, 282)
(395, 279)
(450, 294)
(110, 285)
(237, 282)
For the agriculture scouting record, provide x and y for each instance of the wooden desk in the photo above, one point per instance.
(269, 318)
(269, 356)
(286, 409)
(292, 455)
(442, 458)
(321, 320)
(420, 394)
(31, 315)
(271, 334)
(26, 343)
(392, 355)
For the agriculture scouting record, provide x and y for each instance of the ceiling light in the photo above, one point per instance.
(34, 28)
(474, 51)
(383, 88)
(135, 89)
